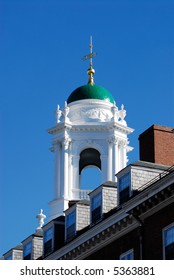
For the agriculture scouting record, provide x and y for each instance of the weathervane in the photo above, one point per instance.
(91, 70)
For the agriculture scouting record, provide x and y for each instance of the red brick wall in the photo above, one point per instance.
(157, 145)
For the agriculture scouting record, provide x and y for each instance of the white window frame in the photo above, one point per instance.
(123, 255)
(163, 233)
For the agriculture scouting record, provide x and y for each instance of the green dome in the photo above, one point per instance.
(90, 92)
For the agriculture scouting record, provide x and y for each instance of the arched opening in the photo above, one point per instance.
(89, 169)
(90, 178)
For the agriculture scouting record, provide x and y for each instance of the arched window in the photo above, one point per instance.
(90, 169)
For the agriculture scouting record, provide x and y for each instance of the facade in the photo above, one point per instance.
(130, 215)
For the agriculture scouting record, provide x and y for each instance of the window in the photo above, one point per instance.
(124, 188)
(27, 251)
(71, 225)
(96, 207)
(48, 241)
(168, 240)
(9, 257)
(128, 255)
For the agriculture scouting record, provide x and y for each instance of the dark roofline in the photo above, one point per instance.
(108, 184)
(18, 247)
(146, 164)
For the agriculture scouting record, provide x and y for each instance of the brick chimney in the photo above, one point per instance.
(157, 145)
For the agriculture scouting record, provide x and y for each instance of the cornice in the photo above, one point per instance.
(59, 127)
(145, 204)
(92, 127)
(93, 238)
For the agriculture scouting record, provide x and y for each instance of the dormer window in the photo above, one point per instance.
(96, 207)
(48, 241)
(168, 240)
(27, 251)
(128, 255)
(124, 188)
(71, 225)
(9, 258)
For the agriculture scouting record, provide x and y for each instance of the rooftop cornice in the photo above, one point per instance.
(121, 222)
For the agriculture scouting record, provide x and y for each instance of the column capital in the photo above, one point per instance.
(66, 141)
(113, 140)
(123, 142)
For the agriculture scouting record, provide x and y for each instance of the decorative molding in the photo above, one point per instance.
(101, 239)
(98, 114)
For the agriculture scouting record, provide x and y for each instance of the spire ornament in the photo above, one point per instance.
(91, 70)
(41, 217)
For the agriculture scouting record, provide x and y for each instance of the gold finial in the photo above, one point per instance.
(91, 70)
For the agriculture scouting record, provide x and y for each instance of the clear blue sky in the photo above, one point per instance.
(41, 45)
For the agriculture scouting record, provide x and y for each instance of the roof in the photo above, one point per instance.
(150, 165)
(157, 127)
(108, 184)
(18, 247)
(145, 164)
(90, 92)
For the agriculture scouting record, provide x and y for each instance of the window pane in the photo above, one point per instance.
(124, 182)
(9, 258)
(169, 236)
(71, 225)
(124, 195)
(169, 243)
(48, 234)
(96, 201)
(96, 214)
(129, 255)
(70, 233)
(27, 248)
(71, 218)
(48, 247)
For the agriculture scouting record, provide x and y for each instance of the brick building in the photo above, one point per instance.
(131, 213)
(138, 224)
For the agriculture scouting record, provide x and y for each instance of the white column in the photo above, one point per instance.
(124, 153)
(75, 176)
(57, 164)
(65, 165)
(115, 157)
(109, 165)
(123, 158)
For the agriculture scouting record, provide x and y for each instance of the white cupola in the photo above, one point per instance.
(90, 131)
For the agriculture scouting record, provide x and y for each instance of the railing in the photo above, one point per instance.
(157, 178)
(81, 194)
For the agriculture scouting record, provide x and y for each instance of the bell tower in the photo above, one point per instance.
(90, 130)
